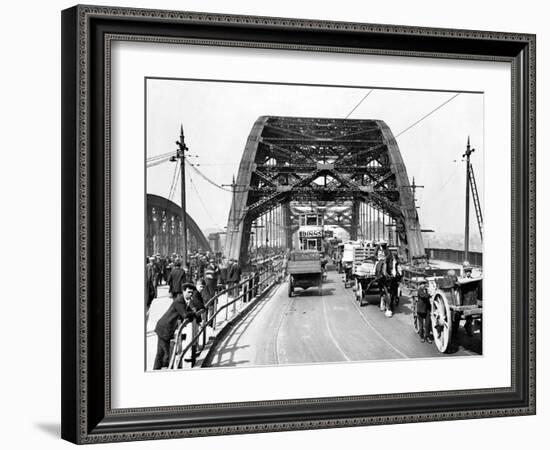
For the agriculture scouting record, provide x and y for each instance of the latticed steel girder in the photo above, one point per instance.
(341, 152)
(288, 159)
(297, 126)
(321, 142)
(308, 168)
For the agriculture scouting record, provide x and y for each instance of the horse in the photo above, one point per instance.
(388, 275)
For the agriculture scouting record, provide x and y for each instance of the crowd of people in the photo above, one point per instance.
(191, 285)
(215, 272)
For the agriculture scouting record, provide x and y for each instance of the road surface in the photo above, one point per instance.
(331, 327)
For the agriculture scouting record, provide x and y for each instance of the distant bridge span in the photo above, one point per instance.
(353, 169)
(165, 230)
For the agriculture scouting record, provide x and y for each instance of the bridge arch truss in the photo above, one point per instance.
(351, 169)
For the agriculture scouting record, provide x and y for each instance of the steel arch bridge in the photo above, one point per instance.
(164, 229)
(350, 169)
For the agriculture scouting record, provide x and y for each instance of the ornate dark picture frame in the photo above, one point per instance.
(87, 33)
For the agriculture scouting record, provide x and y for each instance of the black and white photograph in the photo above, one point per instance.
(275, 225)
(297, 224)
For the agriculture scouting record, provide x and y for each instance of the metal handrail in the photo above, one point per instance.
(177, 356)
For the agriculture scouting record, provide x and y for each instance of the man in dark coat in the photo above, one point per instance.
(470, 295)
(176, 279)
(151, 286)
(163, 276)
(224, 270)
(197, 300)
(183, 307)
(158, 270)
(423, 309)
(201, 266)
(234, 277)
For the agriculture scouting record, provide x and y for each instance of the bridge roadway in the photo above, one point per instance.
(332, 327)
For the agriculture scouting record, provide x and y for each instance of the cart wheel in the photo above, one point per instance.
(359, 292)
(441, 322)
(290, 287)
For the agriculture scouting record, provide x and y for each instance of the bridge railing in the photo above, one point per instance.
(456, 256)
(228, 303)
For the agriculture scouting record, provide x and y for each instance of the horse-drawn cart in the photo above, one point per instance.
(452, 298)
(364, 275)
(359, 267)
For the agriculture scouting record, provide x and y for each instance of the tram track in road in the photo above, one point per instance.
(326, 333)
(278, 330)
(331, 335)
(350, 298)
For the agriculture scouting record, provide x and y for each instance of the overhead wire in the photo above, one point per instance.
(218, 164)
(158, 161)
(439, 190)
(214, 222)
(173, 182)
(164, 155)
(448, 180)
(428, 114)
(359, 104)
(204, 177)
(213, 183)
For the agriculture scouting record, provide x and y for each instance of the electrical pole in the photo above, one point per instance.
(467, 154)
(180, 154)
(414, 187)
(233, 185)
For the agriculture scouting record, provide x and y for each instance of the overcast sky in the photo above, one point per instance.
(217, 118)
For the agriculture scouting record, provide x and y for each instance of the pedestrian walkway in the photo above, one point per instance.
(163, 302)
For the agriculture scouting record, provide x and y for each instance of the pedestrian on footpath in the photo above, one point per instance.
(158, 270)
(211, 279)
(176, 279)
(224, 268)
(197, 300)
(234, 276)
(151, 287)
